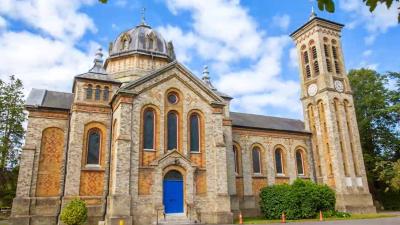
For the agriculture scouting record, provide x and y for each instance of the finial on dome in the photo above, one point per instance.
(143, 16)
(313, 14)
(98, 62)
(206, 78)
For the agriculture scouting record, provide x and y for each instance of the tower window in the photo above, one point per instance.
(106, 93)
(334, 52)
(326, 50)
(308, 72)
(305, 55)
(97, 93)
(337, 67)
(328, 65)
(316, 68)
(314, 52)
(89, 92)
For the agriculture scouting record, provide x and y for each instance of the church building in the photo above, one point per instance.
(142, 140)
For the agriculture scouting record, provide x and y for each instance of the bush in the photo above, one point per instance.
(301, 200)
(74, 213)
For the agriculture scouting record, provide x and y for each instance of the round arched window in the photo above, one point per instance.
(173, 98)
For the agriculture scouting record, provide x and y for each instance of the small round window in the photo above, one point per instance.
(172, 98)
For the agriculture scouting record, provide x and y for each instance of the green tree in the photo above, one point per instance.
(11, 136)
(377, 105)
(12, 117)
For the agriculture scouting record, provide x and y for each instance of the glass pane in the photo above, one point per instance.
(148, 130)
(299, 162)
(89, 92)
(256, 160)
(106, 94)
(235, 153)
(93, 147)
(172, 131)
(278, 161)
(173, 175)
(97, 93)
(194, 133)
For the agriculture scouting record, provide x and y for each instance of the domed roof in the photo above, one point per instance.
(142, 39)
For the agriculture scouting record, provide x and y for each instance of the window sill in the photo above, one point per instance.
(93, 168)
(149, 150)
(195, 152)
(259, 176)
(281, 176)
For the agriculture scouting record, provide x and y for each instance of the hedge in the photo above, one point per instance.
(74, 213)
(301, 200)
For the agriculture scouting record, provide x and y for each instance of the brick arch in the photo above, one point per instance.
(50, 162)
(198, 158)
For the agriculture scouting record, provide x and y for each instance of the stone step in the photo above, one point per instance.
(178, 218)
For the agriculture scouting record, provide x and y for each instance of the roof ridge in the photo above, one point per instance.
(266, 116)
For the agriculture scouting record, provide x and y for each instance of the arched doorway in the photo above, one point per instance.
(173, 192)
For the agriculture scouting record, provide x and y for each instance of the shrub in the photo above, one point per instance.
(302, 199)
(74, 213)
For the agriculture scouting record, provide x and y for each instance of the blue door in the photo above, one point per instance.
(173, 192)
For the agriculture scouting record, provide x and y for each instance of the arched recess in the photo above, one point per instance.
(50, 162)
(196, 137)
(350, 131)
(311, 118)
(92, 175)
(336, 106)
(258, 168)
(237, 154)
(150, 130)
(300, 156)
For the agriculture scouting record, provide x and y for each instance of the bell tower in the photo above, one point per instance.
(329, 114)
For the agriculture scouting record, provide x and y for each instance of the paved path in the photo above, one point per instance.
(381, 221)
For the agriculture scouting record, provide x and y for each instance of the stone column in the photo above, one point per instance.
(119, 198)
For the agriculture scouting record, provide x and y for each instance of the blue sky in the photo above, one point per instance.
(246, 43)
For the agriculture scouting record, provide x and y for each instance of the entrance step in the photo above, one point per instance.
(175, 218)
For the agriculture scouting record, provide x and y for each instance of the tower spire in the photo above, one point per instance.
(206, 78)
(98, 62)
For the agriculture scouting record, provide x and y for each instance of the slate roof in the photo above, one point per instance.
(267, 122)
(40, 98)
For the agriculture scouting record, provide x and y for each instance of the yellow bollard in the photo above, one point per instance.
(121, 222)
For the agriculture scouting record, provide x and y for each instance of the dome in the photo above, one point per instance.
(142, 39)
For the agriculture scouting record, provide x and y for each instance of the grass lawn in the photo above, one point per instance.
(353, 217)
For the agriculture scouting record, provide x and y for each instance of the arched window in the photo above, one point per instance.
(299, 162)
(194, 133)
(279, 161)
(236, 157)
(256, 160)
(97, 93)
(148, 128)
(89, 92)
(93, 147)
(172, 131)
(106, 93)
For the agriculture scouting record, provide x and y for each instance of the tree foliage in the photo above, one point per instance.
(12, 117)
(377, 104)
(11, 136)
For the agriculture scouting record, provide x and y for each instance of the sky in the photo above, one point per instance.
(245, 44)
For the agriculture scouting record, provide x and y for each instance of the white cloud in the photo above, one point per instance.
(59, 18)
(46, 57)
(281, 21)
(367, 53)
(375, 23)
(224, 34)
(121, 3)
(3, 23)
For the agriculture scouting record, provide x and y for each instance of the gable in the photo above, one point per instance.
(179, 73)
